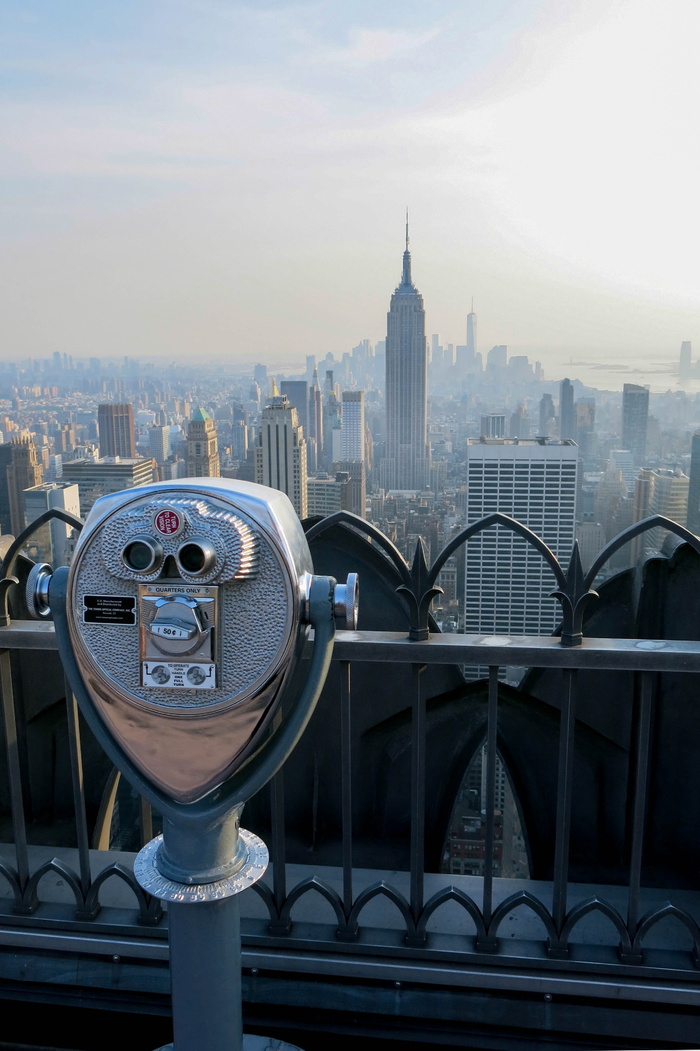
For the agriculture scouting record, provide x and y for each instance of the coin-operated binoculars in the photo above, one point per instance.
(180, 625)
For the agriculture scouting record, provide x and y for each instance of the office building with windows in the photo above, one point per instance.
(660, 492)
(159, 442)
(20, 469)
(280, 453)
(328, 494)
(357, 484)
(115, 426)
(55, 541)
(493, 425)
(635, 419)
(352, 425)
(111, 474)
(202, 447)
(507, 583)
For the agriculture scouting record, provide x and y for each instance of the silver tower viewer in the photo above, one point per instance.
(181, 625)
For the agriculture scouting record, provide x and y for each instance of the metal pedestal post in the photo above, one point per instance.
(205, 975)
(205, 946)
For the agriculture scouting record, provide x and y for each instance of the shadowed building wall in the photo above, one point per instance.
(115, 424)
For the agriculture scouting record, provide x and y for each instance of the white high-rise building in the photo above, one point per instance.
(159, 443)
(507, 583)
(280, 453)
(352, 425)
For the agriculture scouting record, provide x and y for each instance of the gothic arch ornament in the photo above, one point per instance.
(574, 589)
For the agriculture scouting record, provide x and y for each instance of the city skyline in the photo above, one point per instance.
(168, 166)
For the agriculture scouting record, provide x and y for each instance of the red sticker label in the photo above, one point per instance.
(167, 522)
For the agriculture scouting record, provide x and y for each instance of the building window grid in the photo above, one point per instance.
(529, 575)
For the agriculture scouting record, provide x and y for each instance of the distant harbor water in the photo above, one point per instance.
(658, 375)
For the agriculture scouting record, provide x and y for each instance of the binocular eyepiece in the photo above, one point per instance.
(195, 558)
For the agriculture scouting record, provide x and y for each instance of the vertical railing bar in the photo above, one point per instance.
(278, 840)
(146, 813)
(346, 780)
(278, 844)
(76, 769)
(641, 775)
(564, 792)
(19, 827)
(491, 739)
(417, 792)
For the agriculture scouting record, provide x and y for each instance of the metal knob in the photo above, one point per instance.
(36, 592)
(346, 601)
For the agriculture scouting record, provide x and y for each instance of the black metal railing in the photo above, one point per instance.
(419, 918)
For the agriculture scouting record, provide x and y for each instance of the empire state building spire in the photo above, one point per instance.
(407, 461)
(406, 277)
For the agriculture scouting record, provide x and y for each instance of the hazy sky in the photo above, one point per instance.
(209, 178)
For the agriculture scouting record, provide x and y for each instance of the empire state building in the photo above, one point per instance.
(407, 461)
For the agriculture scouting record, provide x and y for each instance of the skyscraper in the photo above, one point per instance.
(115, 425)
(685, 364)
(694, 487)
(493, 425)
(507, 583)
(316, 416)
(332, 425)
(635, 416)
(327, 495)
(497, 358)
(546, 415)
(159, 443)
(407, 461)
(621, 460)
(355, 472)
(202, 447)
(660, 492)
(280, 453)
(19, 470)
(519, 423)
(567, 421)
(471, 334)
(352, 425)
(53, 542)
(584, 427)
(260, 377)
(297, 394)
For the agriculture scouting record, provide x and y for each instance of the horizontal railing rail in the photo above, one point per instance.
(418, 916)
